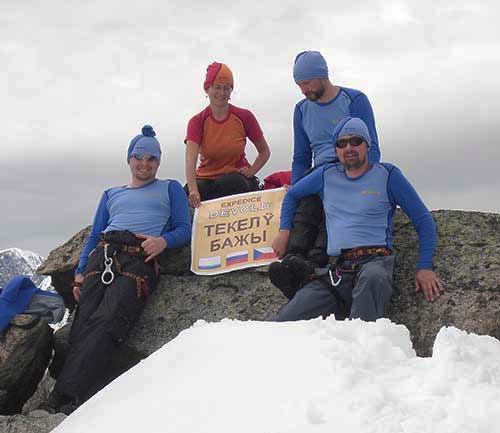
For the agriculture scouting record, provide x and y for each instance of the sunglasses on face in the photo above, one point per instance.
(140, 157)
(355, 141)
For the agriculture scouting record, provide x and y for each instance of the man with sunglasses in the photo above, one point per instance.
(314, 120)
(118, 270)
(359, 199)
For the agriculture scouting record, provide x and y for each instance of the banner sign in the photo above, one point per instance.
(235, 232)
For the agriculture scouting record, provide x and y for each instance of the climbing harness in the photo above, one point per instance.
(108, 276)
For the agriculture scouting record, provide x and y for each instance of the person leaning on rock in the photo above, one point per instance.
(118, 269)
(314, 120)
(359, 198)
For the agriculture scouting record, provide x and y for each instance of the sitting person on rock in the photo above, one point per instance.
(218, 136)
(314, 120)
(118, 268)
(359, 198)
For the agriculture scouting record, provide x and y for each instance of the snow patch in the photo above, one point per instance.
(311, 376)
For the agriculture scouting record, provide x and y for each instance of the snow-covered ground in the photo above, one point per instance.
(314, 376)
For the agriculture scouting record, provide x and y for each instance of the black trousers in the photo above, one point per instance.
(105, 315)
(308, 235)
(229, 184)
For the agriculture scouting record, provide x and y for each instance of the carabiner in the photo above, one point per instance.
(335, 284)
(108, 262)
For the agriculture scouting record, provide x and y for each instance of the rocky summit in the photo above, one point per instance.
(467, 259)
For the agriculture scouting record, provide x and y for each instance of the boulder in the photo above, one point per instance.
(466, 259)
(25, 352)
(180, 301)
(62, 262)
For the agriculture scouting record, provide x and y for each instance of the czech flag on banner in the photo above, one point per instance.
(237, 257)
(264, 253)
(209, 262)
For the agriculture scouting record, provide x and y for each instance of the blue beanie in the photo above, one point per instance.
(309, 65)
(145, 143)
(351, 126)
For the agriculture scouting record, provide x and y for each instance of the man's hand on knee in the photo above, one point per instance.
(152, 246)
(428, 282)
(280, 243)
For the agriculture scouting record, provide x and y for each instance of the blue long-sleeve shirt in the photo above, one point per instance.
(359, 211)
(159, 208)
(313, 125)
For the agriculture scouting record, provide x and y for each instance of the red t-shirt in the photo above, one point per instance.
(222, 143)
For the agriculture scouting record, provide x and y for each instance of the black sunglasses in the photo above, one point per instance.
(355, 141)
(140, 157)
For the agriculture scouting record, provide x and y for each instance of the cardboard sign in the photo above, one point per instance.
(235, 232)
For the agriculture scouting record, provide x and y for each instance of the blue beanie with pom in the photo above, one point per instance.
(145, 143)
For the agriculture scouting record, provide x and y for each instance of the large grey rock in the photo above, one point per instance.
(179, 301)
(467, 259)
(62, 262)
(24, 357)
(36, 422)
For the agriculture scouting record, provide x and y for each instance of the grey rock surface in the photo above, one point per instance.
(178, 302)
(62, 262)
(41, 394)
(37, 421)
(467, 259)
(24, 357)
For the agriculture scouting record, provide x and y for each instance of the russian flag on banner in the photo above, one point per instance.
(263, 253)
(209, 262)
(237, 257)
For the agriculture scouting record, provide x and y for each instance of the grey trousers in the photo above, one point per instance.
(366, 296)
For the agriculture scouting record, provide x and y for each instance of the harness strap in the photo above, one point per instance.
(359, 252)
(133, 250)
(141, 282)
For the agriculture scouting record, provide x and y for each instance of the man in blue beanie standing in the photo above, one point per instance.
(315, 117)
(359, 198)
(118, 269)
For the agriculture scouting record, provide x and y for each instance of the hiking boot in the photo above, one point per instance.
(68, 408)
(301, 270)
(58, 401)
(280, 276)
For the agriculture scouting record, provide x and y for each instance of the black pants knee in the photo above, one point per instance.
(229, 184)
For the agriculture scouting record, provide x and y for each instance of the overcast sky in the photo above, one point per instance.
(79, 79)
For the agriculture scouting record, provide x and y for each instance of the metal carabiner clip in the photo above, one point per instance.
(335, 283)
(108, 262)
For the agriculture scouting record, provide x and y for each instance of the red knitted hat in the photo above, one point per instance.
(218, 73)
